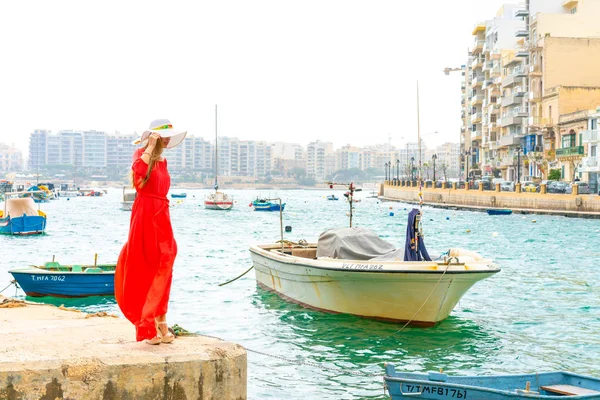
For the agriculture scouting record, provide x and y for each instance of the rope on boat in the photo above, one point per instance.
(235, 279)
(13, 282)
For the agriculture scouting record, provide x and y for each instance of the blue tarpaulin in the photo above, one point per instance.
(414, 248)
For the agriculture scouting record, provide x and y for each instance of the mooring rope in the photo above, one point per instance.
(235, 279)
(13, 282)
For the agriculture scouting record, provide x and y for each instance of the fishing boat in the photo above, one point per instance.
(217, 200)
(179, 195)
(332, 197)
(21, 217)
(129, 196)
(498, 211)
(265, 205)
(39, 193)
(354, 271)
(440, 386)
(54, 279)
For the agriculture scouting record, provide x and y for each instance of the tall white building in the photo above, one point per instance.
(320, 160)
(119, 151)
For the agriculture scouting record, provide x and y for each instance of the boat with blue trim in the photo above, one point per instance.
(440, 386)
(178, 195)
(332, 197)
(54, 279)
(265, 205)
(20, 216)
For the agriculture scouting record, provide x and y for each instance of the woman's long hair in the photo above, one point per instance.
(154, 157)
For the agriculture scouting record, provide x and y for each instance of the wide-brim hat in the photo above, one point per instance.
(165, 129)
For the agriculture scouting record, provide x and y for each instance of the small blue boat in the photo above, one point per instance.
(264, 205)
(53, 279)
(179, 195)
(332, 197)
(499, 211)
(20, 217)
(439, 386)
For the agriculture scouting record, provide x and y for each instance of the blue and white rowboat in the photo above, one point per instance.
(439, 386)
(20, 217)
(263, 205)
(57, 280)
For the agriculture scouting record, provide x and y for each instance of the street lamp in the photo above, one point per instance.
(518, 149)
(398, 170)
(467, 154)
(434, 157)
(385, 169)
(412, 170)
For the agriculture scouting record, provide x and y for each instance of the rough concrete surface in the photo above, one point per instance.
(49, 353)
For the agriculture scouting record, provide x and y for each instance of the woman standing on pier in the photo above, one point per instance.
(145, 267)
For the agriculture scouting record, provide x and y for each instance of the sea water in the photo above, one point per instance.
(540, 313)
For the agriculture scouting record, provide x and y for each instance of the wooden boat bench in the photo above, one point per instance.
(305, 253)
(568, 390)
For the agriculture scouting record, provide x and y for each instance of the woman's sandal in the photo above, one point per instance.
(165, 338)
(156, 339)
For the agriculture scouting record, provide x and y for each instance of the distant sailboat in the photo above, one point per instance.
(217, 200)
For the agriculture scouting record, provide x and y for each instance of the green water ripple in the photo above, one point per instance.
(540, 313)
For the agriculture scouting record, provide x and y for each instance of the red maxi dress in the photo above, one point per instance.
(145, 267)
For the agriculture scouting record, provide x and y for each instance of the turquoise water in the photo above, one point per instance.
(541, 312)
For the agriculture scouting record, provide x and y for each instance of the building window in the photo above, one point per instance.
(593, 124)
(592, 151)
(574, 10)
(568, 140)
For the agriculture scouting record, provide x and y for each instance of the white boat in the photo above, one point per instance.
(422, 292)
(217, 200)
(129, 195)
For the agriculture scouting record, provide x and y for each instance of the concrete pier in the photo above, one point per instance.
(50, 353)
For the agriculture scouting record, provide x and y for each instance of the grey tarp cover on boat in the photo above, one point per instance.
(356, 244)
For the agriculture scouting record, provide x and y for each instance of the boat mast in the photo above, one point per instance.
(419, 130)
(216, 153)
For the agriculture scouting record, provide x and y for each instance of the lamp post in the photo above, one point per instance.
(434, 157)
(467, 155)
(398, 170)
(518, 149)
(412, 170)
(386, 170)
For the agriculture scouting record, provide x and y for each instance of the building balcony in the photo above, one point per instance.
(510, 80)
(522, 33)
(519, 91)
(521, 12)
(511, 120)
(535, 96)
(539, 122)
(493, 145)
(507, 162)
(568, 4)
(510, 100)
(476, 118)
(477, 46)
(475, 138)
(573, 151)
(509, 140)
(590, 164)
(478, 28)
(535, 70)
(477, 81)
(522, 52)
(477, 99)
(477, 63)
(590, 136)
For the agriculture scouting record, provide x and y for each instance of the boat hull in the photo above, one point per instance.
(65, 284)
(25, 225)
(127, 205)
(422, 293)
(499, 212)
(268, 207)
(218, 205)
(499, 387)
(178, 196)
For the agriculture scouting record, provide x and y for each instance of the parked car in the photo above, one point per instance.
(507, 186)
(556, 186)
(530, 187)
(584, 188)
(486, 183)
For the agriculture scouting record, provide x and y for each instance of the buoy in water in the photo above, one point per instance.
(534, 221)
(391, 208)
(447, 218)
(468, 230)
(288, 228)
(391, 214)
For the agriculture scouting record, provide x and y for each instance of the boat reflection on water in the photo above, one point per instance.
(456, 344)
(86, 304)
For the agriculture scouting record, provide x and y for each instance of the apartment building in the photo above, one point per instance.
(447, 160)
(119, 151)
(320, 160)
(286, 156)
(37, 148)
(11, 159)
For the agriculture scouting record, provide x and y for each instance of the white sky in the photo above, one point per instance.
(336, 70)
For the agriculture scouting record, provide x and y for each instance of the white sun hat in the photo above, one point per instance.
(165, 129)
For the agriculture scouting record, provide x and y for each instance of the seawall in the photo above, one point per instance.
(53, 353)
(571, 205)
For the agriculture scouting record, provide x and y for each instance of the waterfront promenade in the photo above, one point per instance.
(571, 205)
(55, 352)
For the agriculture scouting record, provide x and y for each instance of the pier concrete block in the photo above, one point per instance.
(59, 354)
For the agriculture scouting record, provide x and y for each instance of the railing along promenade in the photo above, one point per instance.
(449, 195)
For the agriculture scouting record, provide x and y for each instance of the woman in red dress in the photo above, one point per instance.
(145, 267)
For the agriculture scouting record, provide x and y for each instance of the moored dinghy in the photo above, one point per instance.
(21, 217)
(54, 279)
(439, 386)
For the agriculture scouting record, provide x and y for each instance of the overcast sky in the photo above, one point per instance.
(336, 70)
